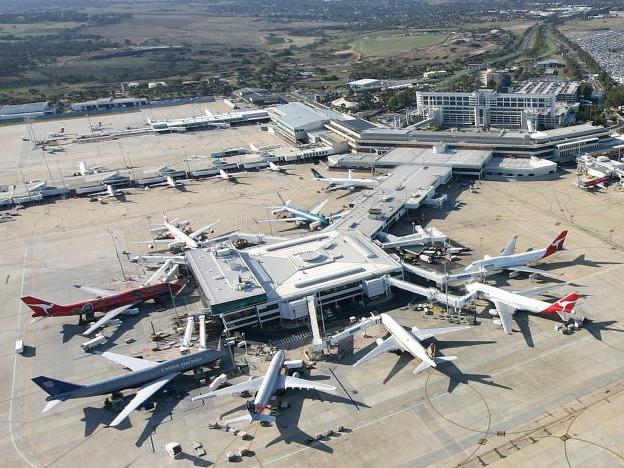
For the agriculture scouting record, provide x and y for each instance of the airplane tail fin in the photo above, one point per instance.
(40, 307)
(564, 307)
(556, 245)
(54, 387)
(317, 174)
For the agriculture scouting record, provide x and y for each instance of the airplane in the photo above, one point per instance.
(227, 176)
(595, 182)
(266, 387)
(169, 182)
(53, 149)
(282, 169)
(349, 183)
(518, 262)
(410, 341)
(107, 301)
(110, 192)
(180, 238)
(84, 170)
(147, 376)
(507, 302)
(312, 217)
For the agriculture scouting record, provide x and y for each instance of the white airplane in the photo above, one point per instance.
(507, 302)
(53, 149)
(110, 192)
(410, 341)
(282, 169)
(518, 262)
(227, 176)
(84, 169)
(266, 387)
(169, 182)
(349, 183)
(180, 238)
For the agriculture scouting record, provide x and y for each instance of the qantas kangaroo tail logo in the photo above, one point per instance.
(564, 307)
(556, 245)
(40, 307)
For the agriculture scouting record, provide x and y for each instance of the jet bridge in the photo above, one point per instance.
(433, 294)
(441, 279)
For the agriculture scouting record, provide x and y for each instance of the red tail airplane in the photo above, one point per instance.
(43, 308)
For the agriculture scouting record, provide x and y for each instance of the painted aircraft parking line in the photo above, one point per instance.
(148, 376)
(518, 262)
(266, 387)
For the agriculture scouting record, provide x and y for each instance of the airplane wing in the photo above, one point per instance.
(427, 333)
(156, 241)
(145, 392)
(533, 271)
(317, 208)
(130, 362)
(389, 344)
(505, 312)
(286, 382)
(249, 386)
(539, 290)
(102, 292)
(107, 317)
(200, 231)
(284, 220)
(510, 248)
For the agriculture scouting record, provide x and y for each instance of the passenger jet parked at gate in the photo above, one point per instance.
(410, 341)
(349, 183)
(517, 262)
(266, 387)
(507, 302)
(107, 302)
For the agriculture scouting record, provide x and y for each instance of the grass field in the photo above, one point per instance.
(593, 24)
(36, 29)
(394, 43)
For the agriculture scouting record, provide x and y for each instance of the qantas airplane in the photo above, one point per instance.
(108, 301)
(85, 169)
(349, 183)
(507, 302)
(517, 262)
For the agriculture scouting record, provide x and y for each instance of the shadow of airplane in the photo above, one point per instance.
(197, 461)
(456, 377)
(595, 329)
(69, 330)
(164, 408)
(580, 260)
(96, 417)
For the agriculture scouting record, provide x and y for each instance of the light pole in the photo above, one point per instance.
(123, 273)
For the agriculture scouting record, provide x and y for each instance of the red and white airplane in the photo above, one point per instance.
(106, 301)
(507, 302)
(517, 262)
(595, 182)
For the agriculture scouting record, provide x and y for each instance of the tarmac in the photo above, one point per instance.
(545, 399)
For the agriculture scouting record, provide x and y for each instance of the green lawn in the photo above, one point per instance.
(394, 43)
